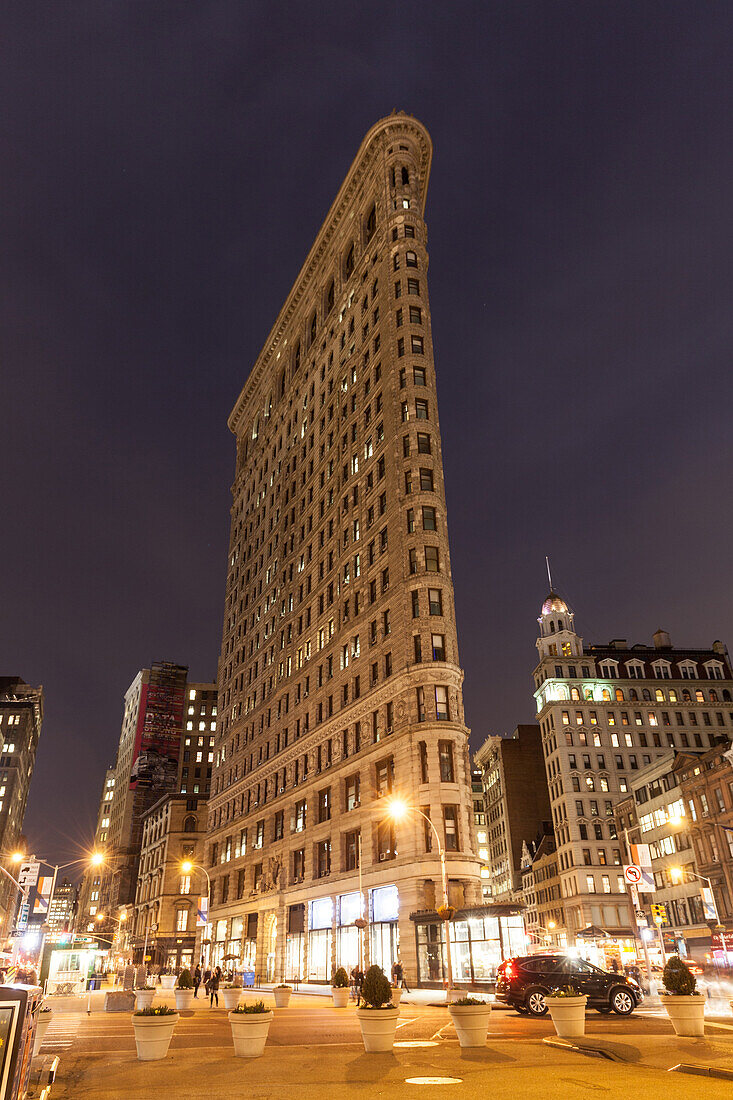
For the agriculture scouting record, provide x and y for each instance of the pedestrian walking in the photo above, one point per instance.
(214, 987)
(398, 976)
(196, 981)
(357, 977)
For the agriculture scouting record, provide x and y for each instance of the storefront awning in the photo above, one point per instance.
(429, 916)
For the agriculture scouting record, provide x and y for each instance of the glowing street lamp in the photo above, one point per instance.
(398, 810)
(187, 866)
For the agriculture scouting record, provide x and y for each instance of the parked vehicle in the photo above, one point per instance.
(524, 983)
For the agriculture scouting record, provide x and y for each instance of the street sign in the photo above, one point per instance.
(708, 904)
(632, 874)
(28, 874)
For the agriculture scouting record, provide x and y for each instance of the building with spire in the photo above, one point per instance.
(606, 711)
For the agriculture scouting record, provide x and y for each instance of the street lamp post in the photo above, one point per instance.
(187, 866)
(640, 931)
(677, 875)
(19, 857)
(397, 810)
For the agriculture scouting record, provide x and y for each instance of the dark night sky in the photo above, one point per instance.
(166, 167)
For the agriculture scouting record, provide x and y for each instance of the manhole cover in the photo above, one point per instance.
(434, 1081)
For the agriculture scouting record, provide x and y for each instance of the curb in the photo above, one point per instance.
(589, 1050)
(702, 1071)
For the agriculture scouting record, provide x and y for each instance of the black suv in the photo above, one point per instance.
(524, 982)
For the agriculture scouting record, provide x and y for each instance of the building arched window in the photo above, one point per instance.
(606, 695)
(405, 177)
(296, 358)
(659, 695)
(633, 697)
(713, 696)
(552, 627)
(330, 297)
(189, 824)
(349, 263)
(686, 697)
(619, 695)
(371, 222)
(575, 694)
(646, 695)
(726, 695)
(313, 327)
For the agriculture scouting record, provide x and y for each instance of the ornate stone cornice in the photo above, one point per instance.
(391, 127)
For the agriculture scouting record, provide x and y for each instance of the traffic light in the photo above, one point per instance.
(659, 914)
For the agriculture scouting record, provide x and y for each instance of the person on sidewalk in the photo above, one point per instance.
(196, 981)
(398, 976)
(214, 987)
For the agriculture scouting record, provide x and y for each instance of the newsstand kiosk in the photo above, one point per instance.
(19, 1008)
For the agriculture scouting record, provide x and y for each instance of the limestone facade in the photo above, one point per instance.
(339, 677)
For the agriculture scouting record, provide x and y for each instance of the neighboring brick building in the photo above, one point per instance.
(21, 717)
(543, 913)
(166, 745)
(339, 677)
(163, 922)
(517, 804)
(606, 712)
(707, 792)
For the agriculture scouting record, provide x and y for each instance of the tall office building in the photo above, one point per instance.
(95, 885)
(339, 677)
(62, 909)
(166, 744)
(605, 712)
(517, 805)
(21, 717)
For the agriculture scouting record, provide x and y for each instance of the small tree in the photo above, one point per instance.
(185, 981)
(376, 990)
(677, 978)
(340, 979)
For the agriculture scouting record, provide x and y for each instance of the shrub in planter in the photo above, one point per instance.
(683, 1004)
(250, 1025)
(184, 991)
(153, 1029)
(340, 988)
(282, 994)
(230, 993)
(470, 1018)
(378, 1018)
(144, 996)
(567, 1009)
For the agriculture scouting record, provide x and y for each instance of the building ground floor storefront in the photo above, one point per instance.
(307, 941)
(165, 953)
(306, 934)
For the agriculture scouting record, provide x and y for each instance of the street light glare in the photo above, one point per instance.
(675, 873)
(187, 866)
(397, 809)
(675, 820)
(17, 857)
(100, 916)
(123, 915)
(96, 859)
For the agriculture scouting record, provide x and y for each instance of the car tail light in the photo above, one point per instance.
(507, 968)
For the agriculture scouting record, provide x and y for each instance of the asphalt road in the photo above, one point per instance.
(315, 1050)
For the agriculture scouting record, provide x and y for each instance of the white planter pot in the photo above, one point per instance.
(168, 981)
(153, 1036)
(378, 1027)
(454, 994)
(144, 998)
(340, 996)
(249, 1032)
(686, 1013)
(230, 997)
(282, 996)
(396, 995)
(42, 1021)
(568, 1015)
(184, 999)
(471, 1023)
